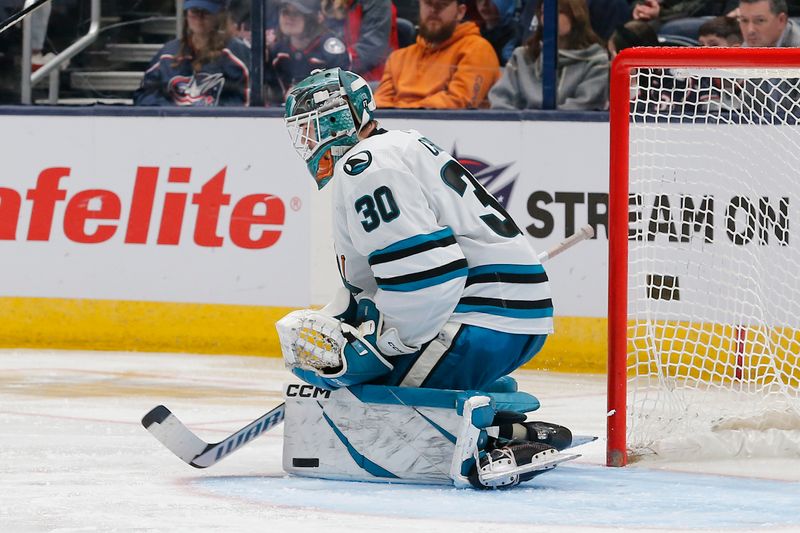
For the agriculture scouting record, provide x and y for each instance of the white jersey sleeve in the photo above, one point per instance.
(391, 245)
(415, 231)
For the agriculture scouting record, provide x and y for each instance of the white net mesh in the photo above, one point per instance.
(713, 282)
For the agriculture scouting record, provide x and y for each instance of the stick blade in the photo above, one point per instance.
(173, 434)
(156, 415)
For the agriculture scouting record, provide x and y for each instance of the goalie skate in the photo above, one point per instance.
(548, 433)
(512, 464)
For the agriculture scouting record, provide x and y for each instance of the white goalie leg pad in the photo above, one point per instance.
(400, 434)
(476, 412)
(343, 434)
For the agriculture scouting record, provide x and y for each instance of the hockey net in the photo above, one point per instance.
(704, 282)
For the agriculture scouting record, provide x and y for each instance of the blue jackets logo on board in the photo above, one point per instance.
(493, 177)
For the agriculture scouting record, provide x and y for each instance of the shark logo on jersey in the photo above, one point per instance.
(358, 163)
(494, 178)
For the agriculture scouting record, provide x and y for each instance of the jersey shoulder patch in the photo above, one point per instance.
(333, 46)
(358, 163)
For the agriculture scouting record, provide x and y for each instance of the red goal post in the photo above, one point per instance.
(654, 62)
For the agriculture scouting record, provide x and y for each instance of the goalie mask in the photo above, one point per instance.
(324, 114)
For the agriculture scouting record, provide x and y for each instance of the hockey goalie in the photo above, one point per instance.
(443, 298)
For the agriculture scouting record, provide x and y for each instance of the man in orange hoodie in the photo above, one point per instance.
(450, 67)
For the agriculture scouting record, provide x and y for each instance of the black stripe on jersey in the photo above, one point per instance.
(508, 304)
(491, 277)
(453, 266)
(377, 259)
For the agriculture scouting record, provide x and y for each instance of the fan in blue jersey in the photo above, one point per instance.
(207, 66)
(303, 43)
(442, 288)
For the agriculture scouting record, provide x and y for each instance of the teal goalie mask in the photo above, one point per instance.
(324, 114)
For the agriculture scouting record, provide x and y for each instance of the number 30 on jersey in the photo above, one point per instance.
(377, 207)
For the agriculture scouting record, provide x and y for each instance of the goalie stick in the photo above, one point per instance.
(180, 440)
(583, 233)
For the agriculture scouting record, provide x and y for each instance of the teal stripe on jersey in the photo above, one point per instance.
(504, 311)
(410, 242)
(424, 283)
(506, 269)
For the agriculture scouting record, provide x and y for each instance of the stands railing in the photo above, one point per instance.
(257, 45)
(258, 11)
(52, 67)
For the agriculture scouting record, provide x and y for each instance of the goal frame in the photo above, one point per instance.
(619, 155)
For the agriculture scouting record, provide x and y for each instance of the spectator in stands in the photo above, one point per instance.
(40, 19)
(630, 34)
(408, 9)
(449, 67)
(720, 31)
(680, 18)
(582, 67)
(604, 15)
(499, 26)
(705, 94)
(655, 89)
(369, 31)
(302, 44)
(766, 23)
(659, 11)
(206, 66)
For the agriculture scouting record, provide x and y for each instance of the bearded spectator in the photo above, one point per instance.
(449, 67)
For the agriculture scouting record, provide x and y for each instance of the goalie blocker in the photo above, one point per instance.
(411, 435)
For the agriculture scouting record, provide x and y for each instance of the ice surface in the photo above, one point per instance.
(74, 457)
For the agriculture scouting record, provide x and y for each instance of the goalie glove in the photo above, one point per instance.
(317, 346)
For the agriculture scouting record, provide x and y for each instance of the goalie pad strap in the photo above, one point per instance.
(430, 356)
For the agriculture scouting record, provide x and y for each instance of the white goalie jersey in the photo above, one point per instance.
(415, 232)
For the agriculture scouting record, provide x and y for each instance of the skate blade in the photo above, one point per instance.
(543, 461)
(580, 440)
